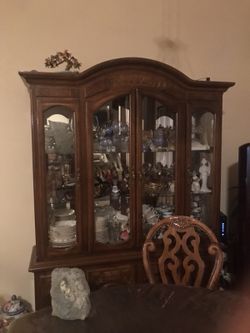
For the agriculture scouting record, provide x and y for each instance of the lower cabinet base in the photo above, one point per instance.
(124, 270)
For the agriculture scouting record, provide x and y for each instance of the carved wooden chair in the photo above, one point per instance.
(181, 250)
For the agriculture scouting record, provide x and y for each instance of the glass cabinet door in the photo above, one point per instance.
(158, 161)
(111, 169)
(59, 135)
(202, 165)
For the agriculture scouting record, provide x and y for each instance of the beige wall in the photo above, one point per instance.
(201, 38)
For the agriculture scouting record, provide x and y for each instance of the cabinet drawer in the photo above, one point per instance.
(116, 274)
(96, 277)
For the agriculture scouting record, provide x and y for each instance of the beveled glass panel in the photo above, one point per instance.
(202, 138)
(59, 132)
(111, 167)
(158, 161)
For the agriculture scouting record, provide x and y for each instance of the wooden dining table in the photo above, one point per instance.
(146, 309)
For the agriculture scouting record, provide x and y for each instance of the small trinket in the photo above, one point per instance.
(4, 323)
(63, 57)
(14, 306)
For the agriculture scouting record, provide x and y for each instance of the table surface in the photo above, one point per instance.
(144, 309)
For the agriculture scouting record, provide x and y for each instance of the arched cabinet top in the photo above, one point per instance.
(138, 73)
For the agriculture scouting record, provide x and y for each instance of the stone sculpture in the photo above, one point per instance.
(69, 294)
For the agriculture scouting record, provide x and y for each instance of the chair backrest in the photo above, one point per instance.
(176, 249)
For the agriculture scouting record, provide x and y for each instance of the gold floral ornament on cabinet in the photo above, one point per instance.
(63, 57)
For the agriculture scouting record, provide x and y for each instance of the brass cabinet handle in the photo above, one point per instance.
(132, 174)
(140, 175)
(78, 176)
(189, 171)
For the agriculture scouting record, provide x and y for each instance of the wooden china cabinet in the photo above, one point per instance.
(116, 148)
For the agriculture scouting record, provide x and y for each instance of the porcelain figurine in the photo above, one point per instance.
(204, 170)
(196, 184)
(14, 306)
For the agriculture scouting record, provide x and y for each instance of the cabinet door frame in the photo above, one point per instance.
(213, 106)
(39, 166)
(179, 107)
(91, 104)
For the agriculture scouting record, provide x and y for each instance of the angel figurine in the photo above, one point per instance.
(204, 170)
